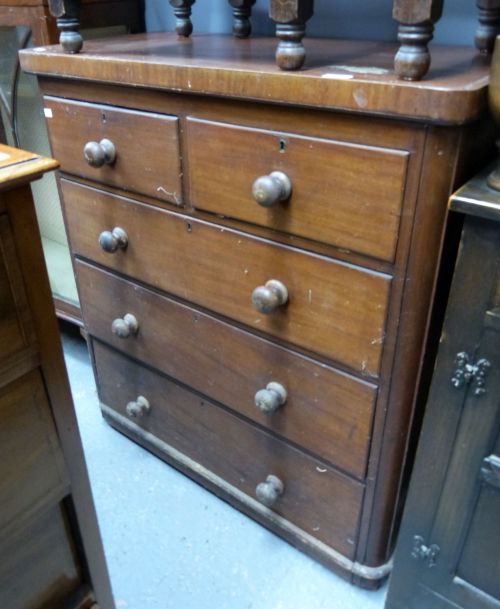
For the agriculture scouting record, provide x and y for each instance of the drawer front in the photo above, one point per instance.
(343, 194)
(32, 471)
(147, 146)
(316, 498)
(334, 309)
(325, 411)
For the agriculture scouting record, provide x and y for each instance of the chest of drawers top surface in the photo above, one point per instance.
(344, 75)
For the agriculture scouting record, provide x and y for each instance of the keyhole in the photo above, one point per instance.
(282, 145)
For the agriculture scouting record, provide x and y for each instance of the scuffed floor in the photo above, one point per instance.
(172, 545)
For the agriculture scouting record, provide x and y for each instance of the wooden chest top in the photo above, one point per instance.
(344, 75)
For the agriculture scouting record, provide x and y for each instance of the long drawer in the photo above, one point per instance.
(316, 498)
(326, 411)
(154, 170)
(341, 193)
(334, 309)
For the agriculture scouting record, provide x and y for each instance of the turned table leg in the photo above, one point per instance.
(290, 17)
(416, 20)
(489, 25)
(242, 10)
(66, 13)
(182, 12)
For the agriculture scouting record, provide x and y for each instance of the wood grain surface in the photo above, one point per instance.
(339, 74)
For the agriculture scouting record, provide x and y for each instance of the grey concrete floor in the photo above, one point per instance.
(171, 544)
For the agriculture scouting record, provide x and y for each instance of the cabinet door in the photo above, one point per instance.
(447, 553)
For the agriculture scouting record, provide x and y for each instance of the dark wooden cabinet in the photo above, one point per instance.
(256, 253)
(50, 549)
(447, 552)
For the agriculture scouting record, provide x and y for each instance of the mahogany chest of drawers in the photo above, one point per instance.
(255, 254)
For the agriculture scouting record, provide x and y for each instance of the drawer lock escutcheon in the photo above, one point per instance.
(111, 241)
(100, 153)
(268, 400)
(125, 326)
(270, 491)
(138, 409)
(270, 190)
(267, 298)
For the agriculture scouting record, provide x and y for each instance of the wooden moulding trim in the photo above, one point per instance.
(306, 540)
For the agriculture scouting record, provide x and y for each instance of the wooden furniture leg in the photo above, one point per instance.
(242, 10)
(66, 13)
(416, 26)
(489, 24)
(182, 12)
(290, 17)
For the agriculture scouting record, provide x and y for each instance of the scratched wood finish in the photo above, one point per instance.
(341, 74)
(329, 201)
(155, 173)
(316, 497)
(334, 309)
(326, 412)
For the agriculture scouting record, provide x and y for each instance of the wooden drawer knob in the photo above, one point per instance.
(110, 241)
(272, 189)
(268, 492)
(268, 400)
(139, 408)
(267, 298)
(100, 153)
(124, 327)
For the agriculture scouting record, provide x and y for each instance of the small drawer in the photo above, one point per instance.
(325, 411)
(343, 194)
(335, 309)
(146, 146)
(32, 470)
(316, 498)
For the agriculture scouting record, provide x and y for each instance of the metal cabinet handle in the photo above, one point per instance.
(100, 153)
(110, 241)
(126, 326)
(272, 189)
(267, 298)
(268, 492)
(268, 400)
(139, 408)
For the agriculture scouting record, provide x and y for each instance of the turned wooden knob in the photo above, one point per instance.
(100, 153)
(110, 241)
(272, 189)
(267, 298)
(126, 326)
(268, 400)
(139, 408)
(269, 491)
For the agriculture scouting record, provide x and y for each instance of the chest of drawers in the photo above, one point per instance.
(255, 254)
